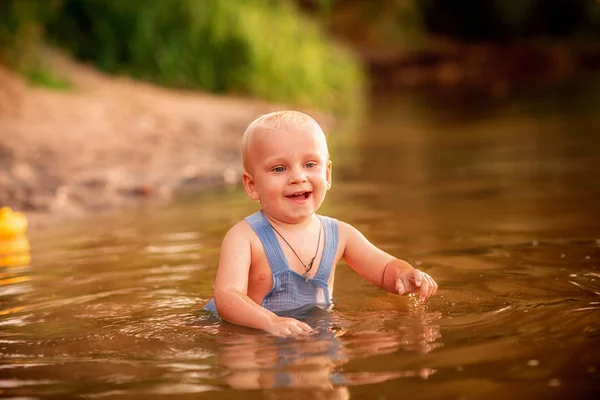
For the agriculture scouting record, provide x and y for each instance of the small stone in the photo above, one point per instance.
(144, 190)
(165, 192)
(190, 171)
(62, 195)
(554, 382)
(230, 176)
(24, 172)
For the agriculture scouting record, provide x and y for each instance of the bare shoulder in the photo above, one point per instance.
(346, 229)
(347, 233)
(239, 233)
(234, 259)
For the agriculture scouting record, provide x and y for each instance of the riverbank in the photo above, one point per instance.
(109, 142)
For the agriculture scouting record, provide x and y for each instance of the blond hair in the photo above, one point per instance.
(276, 120)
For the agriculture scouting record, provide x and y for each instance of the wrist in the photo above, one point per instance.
(271, 322)
(392, 271)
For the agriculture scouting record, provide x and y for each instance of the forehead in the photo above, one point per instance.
(289, 140)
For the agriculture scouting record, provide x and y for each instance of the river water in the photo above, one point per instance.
(499, 200)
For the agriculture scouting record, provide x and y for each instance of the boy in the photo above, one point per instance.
(283, 257)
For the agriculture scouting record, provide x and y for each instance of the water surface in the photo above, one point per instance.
(498, 200)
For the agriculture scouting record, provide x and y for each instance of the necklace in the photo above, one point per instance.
(308, 266)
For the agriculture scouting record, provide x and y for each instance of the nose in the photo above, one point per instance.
(297, 175)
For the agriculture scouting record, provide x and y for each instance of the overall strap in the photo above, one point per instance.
(273, 252)
(330, 228)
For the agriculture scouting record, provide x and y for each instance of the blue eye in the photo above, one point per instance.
(278, 169)
(310, 164)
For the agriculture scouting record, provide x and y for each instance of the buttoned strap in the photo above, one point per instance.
(263, 230)
(330, 228)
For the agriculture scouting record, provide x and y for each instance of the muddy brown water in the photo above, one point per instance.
(498, 200)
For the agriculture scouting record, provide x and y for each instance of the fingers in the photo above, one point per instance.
(424, 288)
(416, 281)
(409, 281)
(433, 287)
(291, 327)
(301, 327)
(418, 278)
(428, 287)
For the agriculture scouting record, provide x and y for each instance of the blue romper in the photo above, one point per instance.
(290, 291)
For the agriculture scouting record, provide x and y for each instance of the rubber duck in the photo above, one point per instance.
(11, 223)
(14, 245)
(15, 260)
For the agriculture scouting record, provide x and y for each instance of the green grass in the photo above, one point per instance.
(40, 76)
(259, 48)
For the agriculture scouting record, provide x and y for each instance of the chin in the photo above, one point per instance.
(294, 216)
(305, 213)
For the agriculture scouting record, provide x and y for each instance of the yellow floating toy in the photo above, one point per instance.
(14, 245)
(11, 223)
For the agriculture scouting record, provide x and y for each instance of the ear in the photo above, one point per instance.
(328, 174)
(250, 186)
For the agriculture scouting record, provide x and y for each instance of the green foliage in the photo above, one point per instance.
(37, 75)
(21, 36)
(264, 48)
(21, 29)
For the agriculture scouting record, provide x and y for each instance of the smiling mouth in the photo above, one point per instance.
(299, 196)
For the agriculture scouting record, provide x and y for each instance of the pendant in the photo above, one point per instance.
(308, 268)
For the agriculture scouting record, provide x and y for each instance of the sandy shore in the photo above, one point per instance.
(109, 142)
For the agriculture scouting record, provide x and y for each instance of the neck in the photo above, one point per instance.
(283, 224)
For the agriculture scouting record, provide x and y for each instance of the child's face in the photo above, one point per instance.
(290, 172)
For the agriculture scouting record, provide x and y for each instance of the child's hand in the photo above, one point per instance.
(281, 326)
(414, 280)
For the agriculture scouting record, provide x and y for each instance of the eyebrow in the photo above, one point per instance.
(283, 160)
(273, 161)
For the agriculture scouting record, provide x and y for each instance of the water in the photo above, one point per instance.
(497, 200)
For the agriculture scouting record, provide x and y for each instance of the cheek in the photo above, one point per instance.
(321, 175)
(270, 184)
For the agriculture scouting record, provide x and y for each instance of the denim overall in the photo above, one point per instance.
(290, 290)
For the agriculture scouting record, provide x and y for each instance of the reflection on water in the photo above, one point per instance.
(320, 361)
(501, 207)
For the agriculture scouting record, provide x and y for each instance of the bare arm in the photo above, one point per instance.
(382, 269)
(231, 288)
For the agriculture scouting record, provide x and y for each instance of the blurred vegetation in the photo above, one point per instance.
(263, 48)
(491, 46)
(273, 49)
(507, 20)
(21, 32)
(405, 21)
